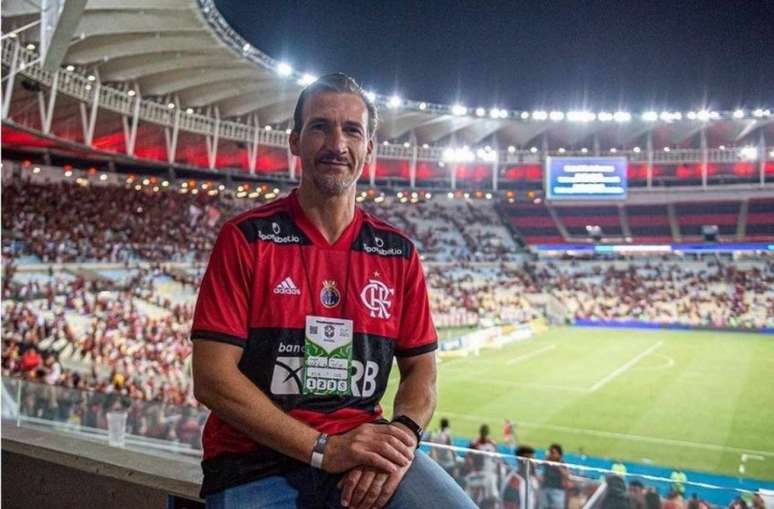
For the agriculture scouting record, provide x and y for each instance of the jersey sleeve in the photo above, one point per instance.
(223, 302)
(417, 333)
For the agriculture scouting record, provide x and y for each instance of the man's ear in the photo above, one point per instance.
(370, 150)
(293, 140)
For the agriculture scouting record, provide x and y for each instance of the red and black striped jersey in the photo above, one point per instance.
(269, 269)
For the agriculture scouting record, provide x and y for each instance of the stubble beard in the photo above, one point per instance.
(328, 184)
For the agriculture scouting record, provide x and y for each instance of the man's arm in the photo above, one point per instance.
(416, 398)
(221, 386)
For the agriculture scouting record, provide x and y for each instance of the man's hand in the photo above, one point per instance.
(384, 448)
(366, 488)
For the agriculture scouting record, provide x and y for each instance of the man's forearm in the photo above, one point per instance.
(239, 402)
(416, 395)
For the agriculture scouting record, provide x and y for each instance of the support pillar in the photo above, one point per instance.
(704, 156)
(649, 154)
(10, 78)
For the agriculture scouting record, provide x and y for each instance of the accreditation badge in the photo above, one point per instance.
(327, 356)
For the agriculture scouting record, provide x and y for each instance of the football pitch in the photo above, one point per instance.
(693, 399)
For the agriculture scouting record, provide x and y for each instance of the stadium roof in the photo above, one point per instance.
(183, 53)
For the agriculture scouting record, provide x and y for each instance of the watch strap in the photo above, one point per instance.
(410, 424)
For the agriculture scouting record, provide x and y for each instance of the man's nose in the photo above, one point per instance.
(335, 141)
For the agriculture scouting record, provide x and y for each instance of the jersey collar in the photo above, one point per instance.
(345, 240)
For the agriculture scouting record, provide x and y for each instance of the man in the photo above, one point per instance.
(443, 455)
(304, 304)
(482, 480)
(555, 480)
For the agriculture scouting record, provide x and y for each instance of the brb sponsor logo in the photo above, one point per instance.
(287, 378)
(276, 236)
(377, 298)
(379, 249)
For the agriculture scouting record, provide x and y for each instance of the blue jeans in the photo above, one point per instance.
(424, 485)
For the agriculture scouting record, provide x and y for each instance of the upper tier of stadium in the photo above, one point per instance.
(170, 82)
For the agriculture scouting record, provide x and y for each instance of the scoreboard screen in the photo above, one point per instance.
(585, 178)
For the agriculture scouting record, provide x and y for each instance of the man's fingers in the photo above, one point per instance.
(392, 454)
(375, 490)
(362, 487)
(404, 436)
(347, 485)
(390, 485)
(373, 459)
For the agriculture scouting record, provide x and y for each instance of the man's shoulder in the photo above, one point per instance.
(379, 237)
(272, 222)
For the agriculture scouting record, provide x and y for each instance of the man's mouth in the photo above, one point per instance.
(329, 162)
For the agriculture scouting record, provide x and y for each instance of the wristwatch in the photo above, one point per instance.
(318, 452)
(410, 424)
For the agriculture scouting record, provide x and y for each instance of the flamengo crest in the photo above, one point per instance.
(376, 296)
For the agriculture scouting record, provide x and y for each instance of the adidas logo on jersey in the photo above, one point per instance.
(287, 287)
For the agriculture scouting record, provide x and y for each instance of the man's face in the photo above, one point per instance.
(553, 454)
(333, 143)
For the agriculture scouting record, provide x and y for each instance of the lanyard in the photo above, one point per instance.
(345, 291)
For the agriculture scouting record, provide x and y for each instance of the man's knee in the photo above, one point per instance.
(425, 484)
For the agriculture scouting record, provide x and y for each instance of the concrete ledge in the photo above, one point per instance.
(50, 469)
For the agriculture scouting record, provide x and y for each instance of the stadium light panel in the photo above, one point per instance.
(70, 68)
(604, 116)
(246, 48)
(480, 112)
(91, 77)
(622, 116)
(31, 47)
(423, 106)
(771, 154)
(556, 116)
(584, 150)
(459, 110)
(636, 150)
(739, 114)
(533, 149)
(284, 69)
(561, 150)
(371, 96)
(425, 145)
(307, 79)
(524, 115)
(691, 115)
(131, 93)
(497, 113)
(758, 113)
(580, 116)
(650, 116)
(722, 147)
(667, 149)
(703, 115)
(171, 105)
(394, 102)
(613, 150)
(189, 111)
(511, 149)
(539, 115)
(267, 128)
(406, 144)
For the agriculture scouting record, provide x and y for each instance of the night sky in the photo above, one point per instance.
(634, 55)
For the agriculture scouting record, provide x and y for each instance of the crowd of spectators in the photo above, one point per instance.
(712, 293)
(496, 480)
(67, 222)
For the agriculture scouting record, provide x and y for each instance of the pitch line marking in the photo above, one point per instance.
(612, 434)
(622, 369)
(524, 357)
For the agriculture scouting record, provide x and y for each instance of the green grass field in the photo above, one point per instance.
(692, 399)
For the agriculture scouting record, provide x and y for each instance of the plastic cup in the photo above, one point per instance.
(116, 429)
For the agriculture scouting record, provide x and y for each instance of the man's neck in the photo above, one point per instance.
(330, 214)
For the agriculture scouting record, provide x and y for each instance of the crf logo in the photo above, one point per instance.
(376, 297)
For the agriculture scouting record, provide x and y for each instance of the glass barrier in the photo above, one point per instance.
(501, 481)
(493, 480)
(149, 424)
